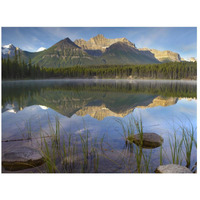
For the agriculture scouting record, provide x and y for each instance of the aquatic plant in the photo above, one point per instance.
(176, 148)
(188, 138)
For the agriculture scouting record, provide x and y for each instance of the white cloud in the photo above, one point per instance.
(189, 47)
(41, 49)
(146, 40)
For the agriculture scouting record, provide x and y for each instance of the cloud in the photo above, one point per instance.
(189, 47)
(151, 36)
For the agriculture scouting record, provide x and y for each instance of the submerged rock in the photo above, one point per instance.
(172, 168)
(149, 140)
(20, 158)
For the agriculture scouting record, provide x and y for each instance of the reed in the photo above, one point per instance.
(49, 157)
(147, 159)
(81, 153)
(176, 148)
(188, 138)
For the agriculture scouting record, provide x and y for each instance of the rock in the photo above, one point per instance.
(194, 168)
(21, 158)
(150, 140)
(172, 168)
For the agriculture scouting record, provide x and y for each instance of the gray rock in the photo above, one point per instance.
(21, 158)
(172, 168)
(149, 140)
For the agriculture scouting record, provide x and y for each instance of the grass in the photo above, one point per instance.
(84, 143)
(188, 138)
(176, 149)
(63, 153)
(181, 143)
(135, 126)
(147, 160)
(128, 128)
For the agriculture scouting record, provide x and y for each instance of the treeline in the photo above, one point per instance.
(173, 70)
(17, 69)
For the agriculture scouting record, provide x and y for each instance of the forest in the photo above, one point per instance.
(16, 68)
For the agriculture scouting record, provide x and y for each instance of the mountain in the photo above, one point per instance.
(96, 51)
(41, 49)
(123, 53)
(163, 56)
(68, 53)
(101, 43)
(65, 53)
(8, 50)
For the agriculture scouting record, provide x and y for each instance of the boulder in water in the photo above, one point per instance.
(20, 158)
(146, 140)
(172, 168)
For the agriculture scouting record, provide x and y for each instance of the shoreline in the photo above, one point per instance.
(102, 79)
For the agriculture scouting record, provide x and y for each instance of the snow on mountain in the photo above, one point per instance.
(8, 50)
(5, 50)
(41, 49)
(9, 46)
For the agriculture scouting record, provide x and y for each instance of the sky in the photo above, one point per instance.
(182, 40)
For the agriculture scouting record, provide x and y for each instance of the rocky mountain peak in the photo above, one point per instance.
(99, 36)
(101, 43)
(66, 43)
(9, 46)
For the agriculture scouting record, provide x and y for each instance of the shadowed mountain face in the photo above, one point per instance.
(124, 54)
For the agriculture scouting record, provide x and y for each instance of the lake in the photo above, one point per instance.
(83, 125)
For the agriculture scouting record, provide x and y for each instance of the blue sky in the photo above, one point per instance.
(182, 40)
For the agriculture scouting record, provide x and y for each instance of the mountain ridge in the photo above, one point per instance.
(97, 50)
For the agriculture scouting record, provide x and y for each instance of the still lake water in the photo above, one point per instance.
(99, 108)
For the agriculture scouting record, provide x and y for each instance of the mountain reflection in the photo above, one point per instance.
(99, 99)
